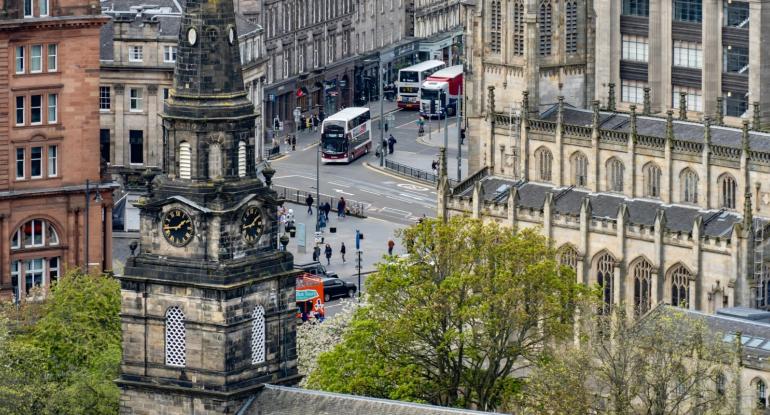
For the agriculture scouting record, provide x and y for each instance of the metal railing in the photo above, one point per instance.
(297, 196)
(411, 172)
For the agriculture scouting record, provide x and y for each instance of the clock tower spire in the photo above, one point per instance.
(208, 300)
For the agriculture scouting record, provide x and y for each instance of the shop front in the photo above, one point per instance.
(446, 47)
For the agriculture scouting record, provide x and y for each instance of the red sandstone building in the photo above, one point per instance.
(49, 144)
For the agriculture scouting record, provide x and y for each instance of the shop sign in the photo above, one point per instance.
(330, 84)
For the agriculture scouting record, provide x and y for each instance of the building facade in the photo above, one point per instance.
(55, 213)
(712, 51)
(438, 25)
(310, 58)
(138, 53)
(644, 50)
(675, 206)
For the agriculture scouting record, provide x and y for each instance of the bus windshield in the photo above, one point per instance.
(333, 139)
(409, 76)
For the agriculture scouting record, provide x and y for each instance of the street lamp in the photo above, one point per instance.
(382, 110)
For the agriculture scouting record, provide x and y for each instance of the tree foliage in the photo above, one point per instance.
(61, 356)
(455, 323)
(668, 363)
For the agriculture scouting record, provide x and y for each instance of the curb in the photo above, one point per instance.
(397, 175)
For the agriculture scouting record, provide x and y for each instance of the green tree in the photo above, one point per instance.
(473, 306)
(64, 359)
(665, 364)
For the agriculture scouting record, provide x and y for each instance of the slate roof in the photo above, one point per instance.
(727, 322)
(679, 218)
(656, 127)
(275, 400)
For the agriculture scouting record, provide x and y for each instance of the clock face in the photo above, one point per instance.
(178, 227)
(231, 35)
(251, 224)
(192, 36)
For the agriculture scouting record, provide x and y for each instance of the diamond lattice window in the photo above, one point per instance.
(175, 337)
(258, 336)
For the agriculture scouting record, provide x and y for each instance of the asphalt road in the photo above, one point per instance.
(384, 196)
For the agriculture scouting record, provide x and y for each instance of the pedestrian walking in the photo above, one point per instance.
(309, 203)
(316, 253)
(391, 244)
(341, 208)
(293, 142)
(327, 208)
(315, 123)
(434, 165)
(309, 122)
(391, 143)
(328, 252)
(342, 252)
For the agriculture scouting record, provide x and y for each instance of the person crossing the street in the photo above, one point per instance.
(342, 251)
(341, 207)
(309, 202)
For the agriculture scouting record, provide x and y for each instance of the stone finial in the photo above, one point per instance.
(755, 124)
(646, 103)
(719, 112)
(611, 97)
(595, 118)
(442, 162)
(745, 137)
(491, 99)
(633, 122)
(669, 125)
(682, 105)
(707, 130)
(524, 104)
(268, 172)
(560, 113)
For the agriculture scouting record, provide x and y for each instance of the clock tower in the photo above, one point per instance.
(208, 299)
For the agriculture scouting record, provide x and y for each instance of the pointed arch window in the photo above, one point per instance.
(568, 256)
(761, 394)
(571, 28)
(680, 286)
(689, 183)
(579, 164)
(495, 29)
(258, 335)
(241, 159)
(652, 180)
(176, 348)
(605, 268)
(727, 187)
(615, 170)
(545, 18)
(544, 161)
(518, 28)
(642, 273)
(185, 160)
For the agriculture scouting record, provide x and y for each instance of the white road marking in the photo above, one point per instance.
(371, 192)
(343, 192)
(411, 196)
(396, 211)
(414, 187)
(406, 123)
(339, 184)
(294, 175)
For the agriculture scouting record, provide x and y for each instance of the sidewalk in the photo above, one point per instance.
(423, 161)
(376, 233)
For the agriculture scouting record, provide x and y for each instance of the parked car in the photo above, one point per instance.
(315, 268)
(335, 287)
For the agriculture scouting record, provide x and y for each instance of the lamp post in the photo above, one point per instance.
(382, 111)
(459, 134)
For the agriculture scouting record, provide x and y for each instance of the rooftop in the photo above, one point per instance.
(281, 400)
(568, 200)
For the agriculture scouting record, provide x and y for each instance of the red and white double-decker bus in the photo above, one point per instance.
(346, 135)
